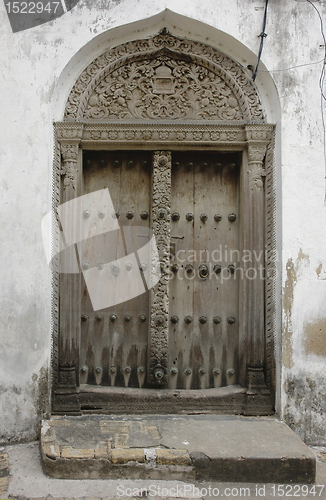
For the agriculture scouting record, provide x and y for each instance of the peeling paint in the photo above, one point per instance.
(288, 291)
(315, 338)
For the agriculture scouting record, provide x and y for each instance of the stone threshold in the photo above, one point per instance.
(174, 447)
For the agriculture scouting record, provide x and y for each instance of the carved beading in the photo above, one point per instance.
(164, 77)
(159, 296)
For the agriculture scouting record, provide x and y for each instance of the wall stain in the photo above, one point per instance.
(314, 339)
(318, 270)
(292, 271)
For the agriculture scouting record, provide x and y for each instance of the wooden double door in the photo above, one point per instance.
(203, 271)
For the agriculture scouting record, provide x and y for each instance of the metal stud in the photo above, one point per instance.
(142, 318)
(115, 269)
(98, 370)
(86, 214)
(203, 166)
(103, 163)
(232, 217)
(217, 217)
(163, 161)
(88, 163)
(217, 268)
(117, 163)
(174, 320)
(216, 320)
(84, 369)
(130, 164)
(161, 213)
(143, 267)
(202, 371)
(85, 266)
(130, 214)
(216, 371)
(128, 266)
(113, 370)
(190, 166)
(188, 371)
(174, 371)
(159, 374)
(145, 164)
(190, 217)
(127, 369)
(188, 320)
(189, 268)
(175, 268)
(144, 215)
(230, 371)
(175, 216)
(231, 268)
(202, 320)
(203, 218)
(128, 318)
(231, 320)
(101, 214)
(84, 317)
(218, 166)
(141, 369)
(159, 320)
(203, 271)
(113, 318)
(100, 266)
(116, 215)
(176, 164)
(99, 317)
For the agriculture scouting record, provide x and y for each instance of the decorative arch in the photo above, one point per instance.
(164, 78)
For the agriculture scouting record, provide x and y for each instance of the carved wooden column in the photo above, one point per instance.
(257, 393)
(159, 295)
(69, 304)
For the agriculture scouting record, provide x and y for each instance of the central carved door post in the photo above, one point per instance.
(159, 295)
(71, 175)
(257, 392)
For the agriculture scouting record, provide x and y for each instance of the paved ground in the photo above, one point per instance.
(27, 480)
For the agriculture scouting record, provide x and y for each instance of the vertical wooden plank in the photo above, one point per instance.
(181, 281)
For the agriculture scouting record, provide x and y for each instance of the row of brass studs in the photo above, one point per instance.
(202, 320)
(114, 266)
(203, 269)
(141, 370)
(117, 163)
(113, 318)
(203, 166)
(202, 371)
(129, 214)
(112, 370)
(203, 217)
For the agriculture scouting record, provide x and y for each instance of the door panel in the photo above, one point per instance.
(114, 339)
(204, 351)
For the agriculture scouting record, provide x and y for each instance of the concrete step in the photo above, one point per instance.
(174, 447)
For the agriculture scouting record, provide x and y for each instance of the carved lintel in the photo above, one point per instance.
(159, 296)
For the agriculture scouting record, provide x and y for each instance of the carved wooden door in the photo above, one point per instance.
(114, 338)
(203, 339)
(204, 291)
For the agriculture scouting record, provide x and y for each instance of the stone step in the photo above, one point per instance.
(174, 447)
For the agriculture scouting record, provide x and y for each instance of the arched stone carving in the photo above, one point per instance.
(164, 78)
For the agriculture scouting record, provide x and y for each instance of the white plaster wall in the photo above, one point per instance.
(39, 67)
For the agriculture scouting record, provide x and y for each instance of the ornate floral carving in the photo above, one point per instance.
(164, 77)
(69, 170)
(159, 298)
(256, 175)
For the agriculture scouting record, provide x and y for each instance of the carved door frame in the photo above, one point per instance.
(249, 135)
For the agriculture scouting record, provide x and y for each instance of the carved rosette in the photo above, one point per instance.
(159, 296)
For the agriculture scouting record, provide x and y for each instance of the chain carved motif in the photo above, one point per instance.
(159, 297)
